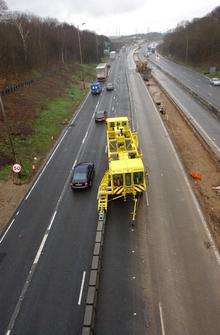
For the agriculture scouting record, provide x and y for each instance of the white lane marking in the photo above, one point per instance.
(8, 332)
(17, 212)
(214, 248)
(51, 221)
(7, 230)
(39, 252)
(73, 119)
(161, 319)
(82, 286)
(83, 140)
(74, 164)
(40, 249)
(28, 280)
(106, 148)
(44, 168)
(36, 181)
(147, 199)
(192, 119)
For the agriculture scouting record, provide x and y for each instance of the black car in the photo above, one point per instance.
(82, 176)
(100, 116)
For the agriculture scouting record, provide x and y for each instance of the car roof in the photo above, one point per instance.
(83, 166)
(100, 112)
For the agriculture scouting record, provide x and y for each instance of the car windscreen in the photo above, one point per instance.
(100, 113)
(79, 175)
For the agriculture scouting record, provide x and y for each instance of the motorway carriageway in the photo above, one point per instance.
(190, 78)
(158, 277)
(45, 254)
(206, 122)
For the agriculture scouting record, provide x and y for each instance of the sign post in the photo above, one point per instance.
(16, 168)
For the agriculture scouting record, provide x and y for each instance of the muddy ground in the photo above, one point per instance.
(195, 158)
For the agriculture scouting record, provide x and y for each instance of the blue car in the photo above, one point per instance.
(96, 88)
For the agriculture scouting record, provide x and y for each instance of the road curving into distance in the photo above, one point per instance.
(158, 278)
(47, 249)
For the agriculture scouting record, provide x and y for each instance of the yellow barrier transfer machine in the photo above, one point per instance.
(125, 176)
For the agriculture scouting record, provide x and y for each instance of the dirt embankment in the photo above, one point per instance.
(24, 105)
(56, 94)
(195, 158)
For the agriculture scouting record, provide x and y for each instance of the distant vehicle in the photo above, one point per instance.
(96, 88)
(82, 176)
(102, 71)
(112, 55)
(100, 116)
(215, 81)
(109, 87)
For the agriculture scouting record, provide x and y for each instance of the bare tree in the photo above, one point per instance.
(197, 41)
(3, 6)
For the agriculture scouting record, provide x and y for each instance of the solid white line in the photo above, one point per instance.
(36, 181)
(17, 212)
(74, 164)
(73, 119)
(8, 332)
(192, 119)
(40, 249)
(161, 319)
(106, 148)
(214, 248)
(7, 230)
(147, 199)
(81, 289)
(51, 221)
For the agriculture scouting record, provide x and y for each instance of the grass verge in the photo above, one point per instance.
(52, 118)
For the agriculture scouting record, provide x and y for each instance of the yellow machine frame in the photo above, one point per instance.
(126, 173)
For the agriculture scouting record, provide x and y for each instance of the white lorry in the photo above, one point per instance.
(102, 71)
(112, 55)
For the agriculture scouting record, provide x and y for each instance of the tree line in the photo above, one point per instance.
(28, 41)
(196, 42)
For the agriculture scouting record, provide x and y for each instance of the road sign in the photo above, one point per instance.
(16, 168)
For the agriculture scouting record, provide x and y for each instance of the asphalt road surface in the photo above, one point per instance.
(205, 121)
(46, 253)
(207, 124)
(190, 78)
(158, 277)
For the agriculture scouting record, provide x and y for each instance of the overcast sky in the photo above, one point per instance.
(114, 17)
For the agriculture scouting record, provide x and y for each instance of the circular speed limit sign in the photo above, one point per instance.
(16, 168)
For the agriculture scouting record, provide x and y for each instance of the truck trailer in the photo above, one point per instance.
(112, 55)
(102, 71)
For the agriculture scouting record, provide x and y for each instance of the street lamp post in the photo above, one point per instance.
(81, 58)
